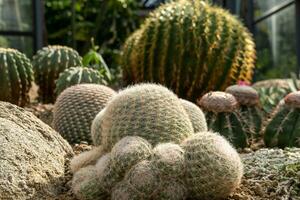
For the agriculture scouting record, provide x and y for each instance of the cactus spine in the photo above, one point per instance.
(77, 75)
(249, 108)
(283, 129)
(178, 44)
(15, 76)
(48, 63)
(222, 116)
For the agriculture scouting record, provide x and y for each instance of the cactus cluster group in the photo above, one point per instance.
(153, 145)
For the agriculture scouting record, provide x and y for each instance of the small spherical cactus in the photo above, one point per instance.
(147, 110)
(213, 167)
(168, 158)
(283, 128)
(171, 190)
(249, 109)
(48, 63)
(96, 129)
(16, 76)
(77, 75)
(221, 110)
(75, 109)
(196, 115)
(123, 191)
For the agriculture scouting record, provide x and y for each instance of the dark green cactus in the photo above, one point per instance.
(221, 110)
(16, 76)
(250, 109)
(191, 47)
(48, 63)
(78, 75)
(283, 129)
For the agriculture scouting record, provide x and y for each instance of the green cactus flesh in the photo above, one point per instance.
(16, 76)
(77, 75)
(75, 109)
(148, 110)
(213, 167)
(48, 63)
(96, 129)
(222, 116)
(283, 129)
(178, 44)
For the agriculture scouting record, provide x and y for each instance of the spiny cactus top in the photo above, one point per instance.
(78, 75)
(283, 129)
(48, 63)
(244, 94)
(191, 47)
(16, 76)
(75, 109)
(147, 110)
(213, 167)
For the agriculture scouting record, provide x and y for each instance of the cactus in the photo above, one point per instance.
(251, 112)
(168, 158)
(283, 129)
(213, 167)
(77, 75)
(147, 110)
(75, 109)
(16, 76)
(171, 190)
(196, 115)
(48, 63)
(123, 191)
(222, 116)
(96, 128)
(178, 44)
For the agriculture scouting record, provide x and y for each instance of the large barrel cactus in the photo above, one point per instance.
(48, 63)
(75, 109)
(78, 75)
(191, 47)
(283, 129)
(222, 116)
(16, 76)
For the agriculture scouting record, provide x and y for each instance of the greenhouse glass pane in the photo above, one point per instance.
(276, 46)
(16, 15)
(262, 6)
(22, 43)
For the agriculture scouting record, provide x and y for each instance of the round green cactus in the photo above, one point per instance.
(168, 158)
(213, 167)
(77, 75)
(196, 115)
(75, 109)
(283, 128)
(48, 63)
(123, 191)
(96, 129)
(147, 110)
(222, 116)
(249, 109)
(191, 47)
(16, 76)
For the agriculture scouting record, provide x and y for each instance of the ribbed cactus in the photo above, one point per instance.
(77, 75)
(283, 129)
(48, 63)
(222, 116)
(191, 47)
(250, 110)
(75, 109)
(213, 167)
(196, 115)
(147, 110)
(16, 76)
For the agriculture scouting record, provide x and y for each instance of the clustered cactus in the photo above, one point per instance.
(148, 149)
(16, 76)
(222, 116)
(48, 63)
(283, 128)
(78, 75)
(75, 109)
(178, 44)
(249, 108)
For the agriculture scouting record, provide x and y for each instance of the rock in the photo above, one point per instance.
(32, 156)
